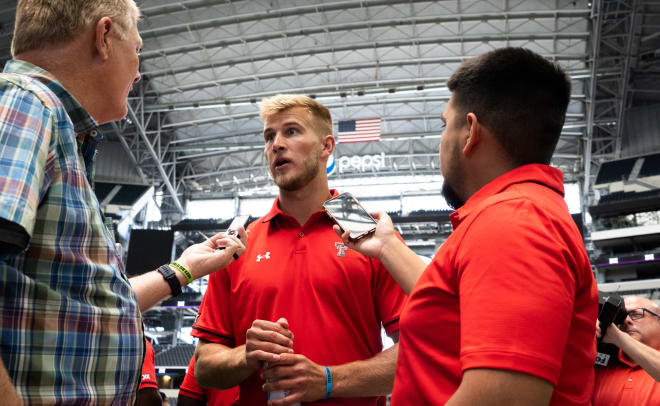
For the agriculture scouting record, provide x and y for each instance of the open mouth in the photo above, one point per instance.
(280, 162)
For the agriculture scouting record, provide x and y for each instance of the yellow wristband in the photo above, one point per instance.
(183, 270)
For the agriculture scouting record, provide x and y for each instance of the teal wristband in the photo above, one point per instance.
(328, 382)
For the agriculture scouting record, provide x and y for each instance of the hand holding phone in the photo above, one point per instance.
(349, 214)
(236, 223)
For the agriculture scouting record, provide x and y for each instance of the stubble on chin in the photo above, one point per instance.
(309, 170)
(286, 181)
(285, 184)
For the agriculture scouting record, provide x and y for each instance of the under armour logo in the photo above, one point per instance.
(341, 249)
(265, 256)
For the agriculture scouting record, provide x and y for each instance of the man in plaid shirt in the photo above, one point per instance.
(70, 331)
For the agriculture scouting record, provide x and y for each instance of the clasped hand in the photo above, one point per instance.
(269, 345)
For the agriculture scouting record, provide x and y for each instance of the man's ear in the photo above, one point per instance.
(328, 145)
(474, 134)
(102, 32)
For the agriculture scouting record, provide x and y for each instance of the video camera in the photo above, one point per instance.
(611, 310)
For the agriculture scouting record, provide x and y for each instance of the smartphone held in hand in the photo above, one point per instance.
(236, 223)
(349, 214)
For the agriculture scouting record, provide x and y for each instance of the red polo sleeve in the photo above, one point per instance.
(214, 321)
(189, 387)
(517, 289)
(148, 379)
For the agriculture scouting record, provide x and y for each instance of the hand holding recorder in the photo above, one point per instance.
(216, 252)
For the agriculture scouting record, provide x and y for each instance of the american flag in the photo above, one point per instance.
(364, 130)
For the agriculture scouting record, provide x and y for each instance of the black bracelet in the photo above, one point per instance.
(170, 277)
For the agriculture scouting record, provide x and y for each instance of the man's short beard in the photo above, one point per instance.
(293, 184)
(451, 197)
(310, 171)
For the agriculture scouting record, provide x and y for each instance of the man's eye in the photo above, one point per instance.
(291, 131)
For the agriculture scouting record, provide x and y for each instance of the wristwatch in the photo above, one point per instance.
(170, 277)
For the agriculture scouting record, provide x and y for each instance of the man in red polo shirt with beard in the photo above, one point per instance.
(506, 312)
(299, 303)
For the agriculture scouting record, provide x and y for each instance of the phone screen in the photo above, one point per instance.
(350, 215)
(239, 221)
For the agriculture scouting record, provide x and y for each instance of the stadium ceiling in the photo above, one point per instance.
(193, 127)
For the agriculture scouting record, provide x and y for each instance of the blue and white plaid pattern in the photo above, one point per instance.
(70, 327)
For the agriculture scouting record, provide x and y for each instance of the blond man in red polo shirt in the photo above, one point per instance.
(505, 314)
(299, 302)
(634, 378)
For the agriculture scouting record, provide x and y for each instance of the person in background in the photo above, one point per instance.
(148, 394)
(163, 399)
(71, 326)
(633, 378)
(298, 314)
(191, 394)
(505, 314)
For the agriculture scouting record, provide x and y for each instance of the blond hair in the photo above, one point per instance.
(321, 118)
(46, 22)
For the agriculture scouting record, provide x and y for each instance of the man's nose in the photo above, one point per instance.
(278, 141)
(137, 77)
(628, 321)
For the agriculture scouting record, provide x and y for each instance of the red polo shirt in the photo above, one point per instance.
(625, 383)
(335, 299)
(511, 289)
(214, 397)
(148, 379)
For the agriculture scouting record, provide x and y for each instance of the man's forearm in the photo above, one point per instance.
(648, 358)
(370, 377)
(9, 394)
(148, 397)
(150, 288)
(197, 261)
(403, 264)
(220, 367)
(492, 387)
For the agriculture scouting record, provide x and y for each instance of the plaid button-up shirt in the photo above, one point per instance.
(70, 327)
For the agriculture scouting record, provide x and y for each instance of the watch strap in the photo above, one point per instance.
(170, 277)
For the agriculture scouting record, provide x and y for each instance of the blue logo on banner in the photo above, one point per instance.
(330, 165)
